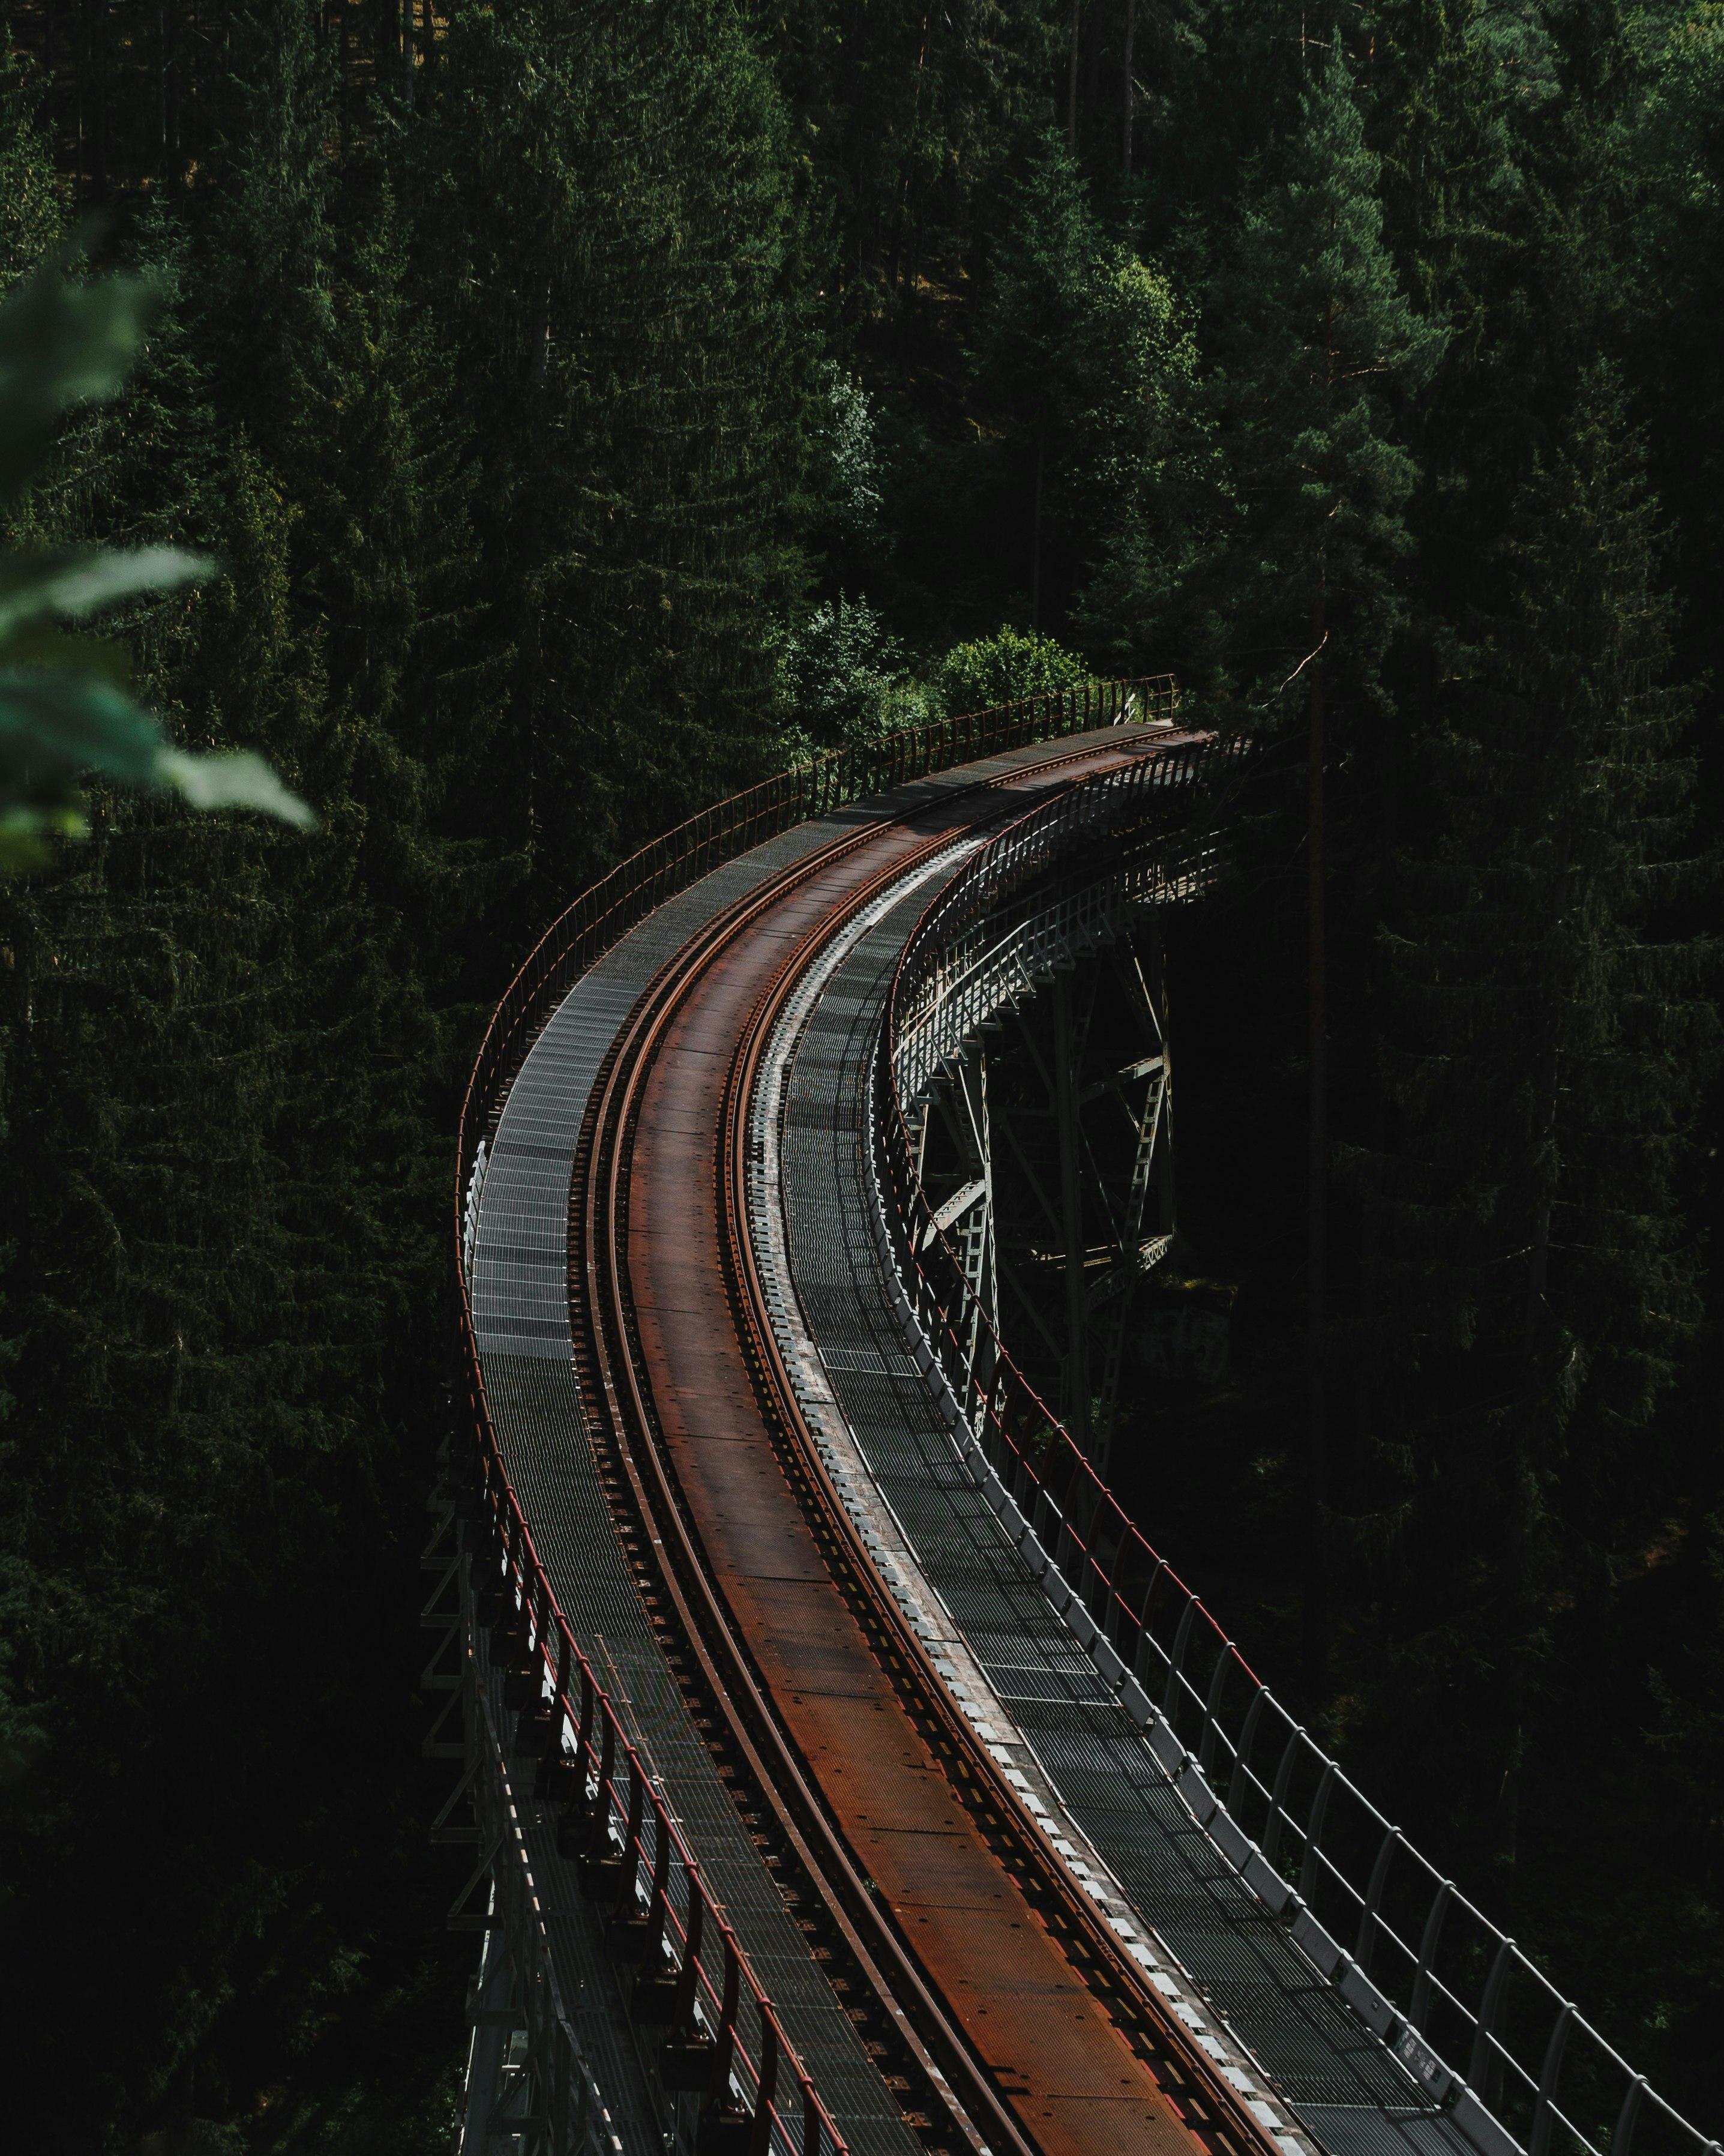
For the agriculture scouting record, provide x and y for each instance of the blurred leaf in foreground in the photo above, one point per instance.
(65, 707)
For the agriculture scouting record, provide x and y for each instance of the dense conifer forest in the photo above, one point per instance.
(589, 409)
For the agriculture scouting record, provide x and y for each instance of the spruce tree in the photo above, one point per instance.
(642, 381)
(1320, 341)
(1084, 347)
(1543, 1281)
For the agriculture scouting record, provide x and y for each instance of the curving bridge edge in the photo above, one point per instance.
(1294, 2000)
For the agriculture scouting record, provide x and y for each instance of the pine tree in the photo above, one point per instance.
(1319, 340)
(1543, 1280)
(30, 207)
(1083, 347)
(1319, 344)
(903, 112)
(222, 1145)
(642, 384)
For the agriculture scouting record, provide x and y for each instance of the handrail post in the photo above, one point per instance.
(682, 2015)
(1278, 1795)
(1419, 2006)
(600, 1826)
(1482, 2069)
(659, 1900)
(1206, 1741)
(1314, 1830)
(1146, 1619)
(1176, 1660)
(1242, 1758)
(573, 1819)
(810, 2116)
(1540, 2140)
(1621, 2141)
(550, 1759)
(627, 1879)
(718, 2081)
(760, 2140)
(1366, 1945)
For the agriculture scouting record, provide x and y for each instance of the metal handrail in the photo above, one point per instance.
(1352, 1892)
(584, 1737)
(613, 1820)
(993, 949)
(602, 915)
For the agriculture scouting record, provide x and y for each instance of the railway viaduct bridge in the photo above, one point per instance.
(842, 1769)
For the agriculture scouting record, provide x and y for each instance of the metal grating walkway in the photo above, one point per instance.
(519, 1291)
(1340, 2081)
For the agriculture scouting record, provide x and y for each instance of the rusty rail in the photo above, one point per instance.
(1477, 2026)
(1110, 1972)
(618, 1390)
(605, 1827)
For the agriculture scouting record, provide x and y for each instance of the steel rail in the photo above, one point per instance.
(1171, 1663)
(620, 1391)
(617, 1394)
(1117, 1976)
(624, 1393)
(552, 1678)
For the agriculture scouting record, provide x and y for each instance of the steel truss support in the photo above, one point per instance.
(1110, 1299)
(966, 1209)
(1054, 1156)
(530, 2087)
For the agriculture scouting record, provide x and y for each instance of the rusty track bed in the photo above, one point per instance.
(796, 1729)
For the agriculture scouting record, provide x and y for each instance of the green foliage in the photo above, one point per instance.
(64, 707)
(1539, 1285)
(995, 670)
(845, 681)
(1086, 347)
(848, 436)
(640, 381)
(30, 202)
(1319, 340)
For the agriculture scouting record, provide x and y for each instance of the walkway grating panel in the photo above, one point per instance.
(1344, 2087)
(519, 1294)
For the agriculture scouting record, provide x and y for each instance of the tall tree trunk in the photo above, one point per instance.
(1077, 24)
(1130, 39)
(1035, 541)
(1318, 1251)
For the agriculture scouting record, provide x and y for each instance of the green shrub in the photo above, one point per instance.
(844, 680)
(998, 669)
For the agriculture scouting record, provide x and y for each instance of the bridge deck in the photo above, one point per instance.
(1339, 2079)
(1337, 2076)
(521, 1316)
(1073, 2080)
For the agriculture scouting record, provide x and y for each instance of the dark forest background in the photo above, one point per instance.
(591, 406)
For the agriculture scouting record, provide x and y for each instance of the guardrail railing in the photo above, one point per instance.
(1480, 2031)
(723, 2037)
(994, 946)
(670, 863)
(687, 1974)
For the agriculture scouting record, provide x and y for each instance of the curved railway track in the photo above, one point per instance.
(812, 1662)
(1017, 2002)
